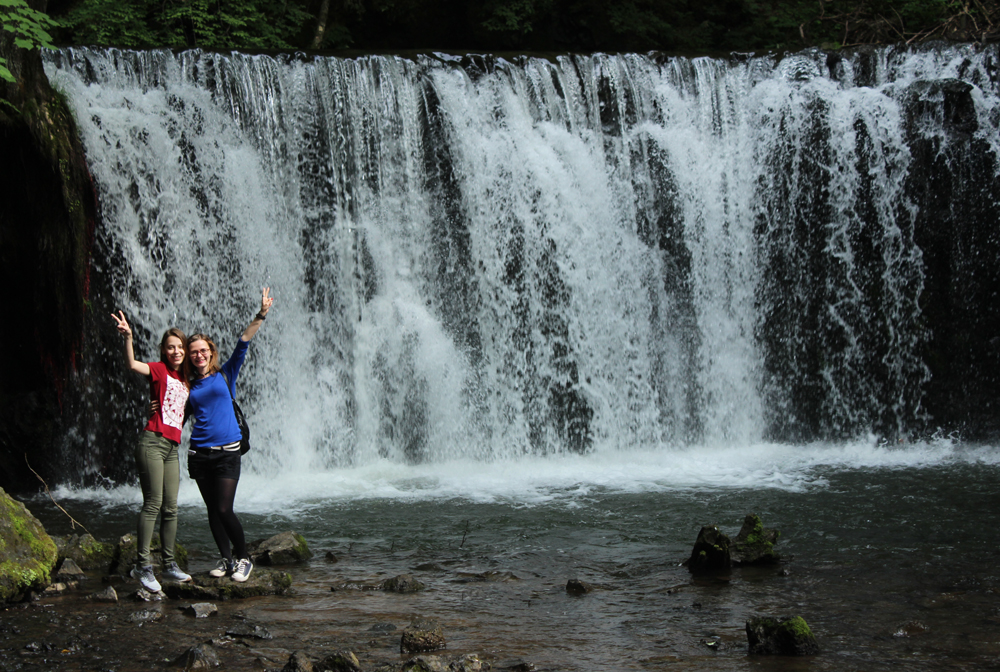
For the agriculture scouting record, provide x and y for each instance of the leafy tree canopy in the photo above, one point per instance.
(540, 25)
(29, 29)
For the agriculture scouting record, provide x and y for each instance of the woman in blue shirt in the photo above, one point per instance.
(214, 457)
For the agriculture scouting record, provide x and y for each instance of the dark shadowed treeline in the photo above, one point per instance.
(536, 25)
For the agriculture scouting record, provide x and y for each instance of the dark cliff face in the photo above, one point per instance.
(47, 214)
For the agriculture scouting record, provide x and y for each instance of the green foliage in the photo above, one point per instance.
(29, 27)
(565, 25)
(210, 24)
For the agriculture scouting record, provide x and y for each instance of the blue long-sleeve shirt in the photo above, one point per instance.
(212, 404)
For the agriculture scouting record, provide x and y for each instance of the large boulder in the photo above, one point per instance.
(27, 553)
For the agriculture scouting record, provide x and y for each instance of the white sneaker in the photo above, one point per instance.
(243, 568)
(175, 573)
(146, 578)
(224, 567)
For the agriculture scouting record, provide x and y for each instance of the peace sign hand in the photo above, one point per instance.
(122, 324)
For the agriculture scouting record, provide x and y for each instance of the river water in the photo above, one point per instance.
(889, 554)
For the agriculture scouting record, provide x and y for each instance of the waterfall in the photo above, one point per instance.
(478, 257)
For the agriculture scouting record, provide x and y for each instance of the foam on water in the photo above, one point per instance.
(566, 480)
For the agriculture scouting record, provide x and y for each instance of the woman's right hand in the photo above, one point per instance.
(122, 324)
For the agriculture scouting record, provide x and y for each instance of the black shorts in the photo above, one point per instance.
(213, 464)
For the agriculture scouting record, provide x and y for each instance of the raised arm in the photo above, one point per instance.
(126, 331)
(258, 319)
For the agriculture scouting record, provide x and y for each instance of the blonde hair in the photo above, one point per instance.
(213, 362)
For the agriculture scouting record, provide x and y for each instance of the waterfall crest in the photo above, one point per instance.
(485, 258)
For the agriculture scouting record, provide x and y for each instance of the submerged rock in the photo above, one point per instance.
(27, 553)
(404, 583)
(780, 636)
(341, 661)
(201, 609)
(201, 657)
(106, 595)
(578, 587)
(298, 662)
(249, 630)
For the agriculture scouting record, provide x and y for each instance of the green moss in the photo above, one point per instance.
(30, 554)
(798, 627)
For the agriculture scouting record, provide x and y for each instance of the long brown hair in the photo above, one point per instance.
(213, 362)
(177, 333)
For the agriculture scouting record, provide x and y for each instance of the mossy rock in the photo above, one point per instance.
(754, 544)
(86, 551)
(27, 553)
(780, 636)
(285, 548)
(126, 554)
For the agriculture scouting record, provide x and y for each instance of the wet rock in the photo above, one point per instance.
(341, 661)
(468, 663)
(106, 595)
(58, 588)
(249, 630)
(286, 548)
(201, 609)
(578, 587)
(145, 616)
(85, 551)
(298, 662)
(143, 595)
(126, 554)
(754, 544)
(382, 627)
(950, 100)
(711, 550)
(404, 583)
(492, 576)
(421, 636)
(424, 664)
(780, 636)
(520, 666)
(69, 571)
(201, 657)
(430, 567)
(330, 557)
(205, 588)
(27, 552)
(910, 629)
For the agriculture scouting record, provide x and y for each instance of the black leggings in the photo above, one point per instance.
(219, 495)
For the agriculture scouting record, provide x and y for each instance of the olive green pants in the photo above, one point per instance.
(159, 476)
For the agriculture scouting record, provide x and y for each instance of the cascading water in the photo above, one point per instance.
(475, 257)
